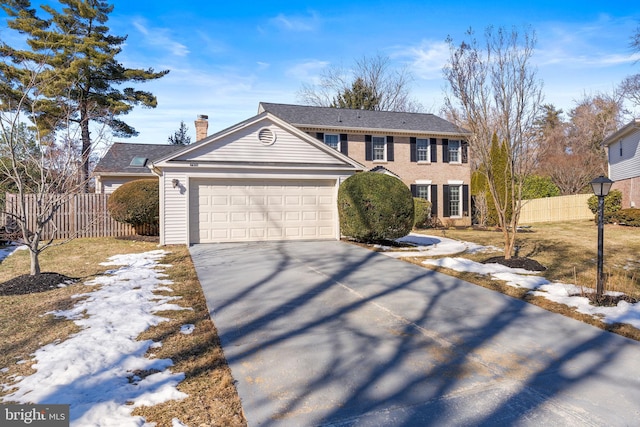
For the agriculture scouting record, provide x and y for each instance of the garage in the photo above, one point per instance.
(227, 210)
(260, 180)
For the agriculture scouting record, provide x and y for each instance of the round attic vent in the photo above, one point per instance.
(266, 136)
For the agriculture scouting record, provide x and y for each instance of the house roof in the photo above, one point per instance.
(622, 132)
(119, 157)
(344, 118)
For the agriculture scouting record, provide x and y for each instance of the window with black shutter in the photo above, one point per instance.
(344, 144)
(445, 150)
(434, 149)
(368, 148)
(445, 201)
(412, 148)
(389, 148)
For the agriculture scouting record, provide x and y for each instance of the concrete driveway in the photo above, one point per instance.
(327, 333)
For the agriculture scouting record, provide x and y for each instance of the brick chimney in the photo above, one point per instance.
(202, 125)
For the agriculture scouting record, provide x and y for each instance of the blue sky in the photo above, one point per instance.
(226, 57)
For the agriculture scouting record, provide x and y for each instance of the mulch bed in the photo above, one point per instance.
(517, 262)
(27, 284)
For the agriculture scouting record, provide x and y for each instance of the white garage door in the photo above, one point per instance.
(250, 210)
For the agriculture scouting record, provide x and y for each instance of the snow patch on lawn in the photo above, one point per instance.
(102, 371)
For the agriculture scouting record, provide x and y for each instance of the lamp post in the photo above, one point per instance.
(601, 186)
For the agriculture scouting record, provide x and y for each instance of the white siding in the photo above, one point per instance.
(174, 209)
(245, 146)
(111, 183)
(627, 165)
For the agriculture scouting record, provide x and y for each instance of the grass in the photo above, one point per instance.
(24, 327)
(569, 252)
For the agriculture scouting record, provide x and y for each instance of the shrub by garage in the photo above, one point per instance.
(375, 207)
(137, 203)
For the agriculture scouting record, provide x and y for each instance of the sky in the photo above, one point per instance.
(92, 370)
(226, 57)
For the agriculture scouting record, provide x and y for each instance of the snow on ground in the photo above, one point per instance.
(434, 246)
(8, 250)
(562, 293)
(570, 295)
(102, 371)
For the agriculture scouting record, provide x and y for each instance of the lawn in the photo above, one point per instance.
(25, 327)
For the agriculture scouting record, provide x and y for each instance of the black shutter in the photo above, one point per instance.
(344, 144)
(446, 212)
(434, 200)
(433, 143)
(414, 190)
(368, 148)
(389, 149)
(320, 136)
(465, 200)
(445, 150)
(465, 151)
(412, 147)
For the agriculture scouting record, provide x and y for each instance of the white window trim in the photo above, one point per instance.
(459, 184)
(384, 149)
(425, 184)
(332, 134)
(428, 151)
(459, 150)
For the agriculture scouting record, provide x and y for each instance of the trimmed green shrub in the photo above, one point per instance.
(137, 203)
(537, 187)
(422, 212)
(612, 203)
(374, 207)
(630, 217)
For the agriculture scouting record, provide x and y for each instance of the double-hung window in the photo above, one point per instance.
(423, 191)
(378, 144)
(455, 199)
(422, 150)
(332, 141)
(454, 151)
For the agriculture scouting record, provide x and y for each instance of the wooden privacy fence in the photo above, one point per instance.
(81, 215)
(550, 209)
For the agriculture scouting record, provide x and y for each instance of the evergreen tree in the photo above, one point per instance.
(180, 137)
(72, 62)
(360, 97)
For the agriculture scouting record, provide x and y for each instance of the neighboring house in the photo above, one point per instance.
(623, 149)
(429, 154)
(125, 162)
(275, 176)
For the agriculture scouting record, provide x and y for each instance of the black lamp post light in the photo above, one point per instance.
(601, 186)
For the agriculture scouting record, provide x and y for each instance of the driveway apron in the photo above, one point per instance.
(328, 333)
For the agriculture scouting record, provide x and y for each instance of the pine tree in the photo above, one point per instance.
(359, 97)
(180, 137)
(72, 61)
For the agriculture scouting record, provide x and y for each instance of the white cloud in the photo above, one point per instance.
(160, 37)
(308, 72)
(296, 23)
(426, 59)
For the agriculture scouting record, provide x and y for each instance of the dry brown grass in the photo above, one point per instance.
(213, 399)
(569, 251)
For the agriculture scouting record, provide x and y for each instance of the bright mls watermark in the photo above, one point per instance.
(34, 415)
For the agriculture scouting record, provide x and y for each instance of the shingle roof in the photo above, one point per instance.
(118, 158)
(327, 117)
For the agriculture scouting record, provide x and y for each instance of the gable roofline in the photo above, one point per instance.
(250, 122)
(622, 132)
(361, 121)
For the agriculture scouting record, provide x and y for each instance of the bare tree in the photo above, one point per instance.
(494, 90)
(573, 153)
(389, 87)
(45, 169)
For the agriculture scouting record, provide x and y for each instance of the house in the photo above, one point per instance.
(623, 152)
(275, 176)
(429, 154)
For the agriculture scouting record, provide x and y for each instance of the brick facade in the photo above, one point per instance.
(440, 174)
(630, 189)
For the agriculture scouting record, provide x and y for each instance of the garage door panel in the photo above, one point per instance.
(237, 210)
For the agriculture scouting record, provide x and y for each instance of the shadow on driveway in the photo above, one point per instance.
(328, 333)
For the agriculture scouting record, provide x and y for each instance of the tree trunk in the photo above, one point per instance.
(35, 262)
(86, 147)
